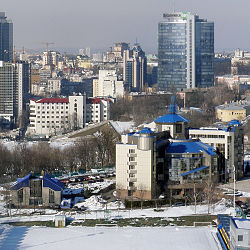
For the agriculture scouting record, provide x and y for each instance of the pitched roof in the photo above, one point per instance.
(189, 146)
(48, 181)
(171, 118)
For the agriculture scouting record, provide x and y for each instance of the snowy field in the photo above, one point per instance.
(94, 203)
(172, 238)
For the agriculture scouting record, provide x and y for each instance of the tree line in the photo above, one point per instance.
(97, 150)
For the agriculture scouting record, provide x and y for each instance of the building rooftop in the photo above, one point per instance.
(241, 223)
(53, 100)
(189, 147)
(171, 118)
(48, 181)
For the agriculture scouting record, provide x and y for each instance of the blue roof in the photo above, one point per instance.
(51, 183)
(234, 122)
(171, 118)
(146, 130)
(194, 170)
(189, 146)
(22, 182)
(48, 181)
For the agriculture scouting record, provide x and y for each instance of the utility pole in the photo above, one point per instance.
(234, 186)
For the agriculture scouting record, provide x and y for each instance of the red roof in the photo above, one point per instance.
(97, 100)
(53, 100)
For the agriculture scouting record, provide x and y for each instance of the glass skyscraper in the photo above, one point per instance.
(6, 39)
(185, 52)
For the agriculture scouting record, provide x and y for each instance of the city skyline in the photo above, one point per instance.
(98, 25)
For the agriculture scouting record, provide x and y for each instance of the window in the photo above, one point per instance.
(131, 158)
(51, 196)
(20, 195)
(178, 128)
(36, 188)
(131, 151)
(131, 167)
(240, 237)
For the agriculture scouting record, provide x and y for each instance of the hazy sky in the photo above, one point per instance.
(100, 23)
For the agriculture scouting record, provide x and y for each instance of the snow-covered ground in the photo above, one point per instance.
(176, 238)
(96, 210)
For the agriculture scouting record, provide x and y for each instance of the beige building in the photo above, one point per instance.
(136, 160)
(232, 111)
(33, 190)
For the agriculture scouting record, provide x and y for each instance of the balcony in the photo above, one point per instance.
(132, 179)
(132, 163)
(131, 188)
(132, 171)
(132, 155)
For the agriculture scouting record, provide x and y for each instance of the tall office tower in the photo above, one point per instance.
(6, 39)
(185, 51)
(14, 90)
(135, 68)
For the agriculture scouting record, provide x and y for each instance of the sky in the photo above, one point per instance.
(98, 24)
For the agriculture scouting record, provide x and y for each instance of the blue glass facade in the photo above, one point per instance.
(6, 39)
(185, 52)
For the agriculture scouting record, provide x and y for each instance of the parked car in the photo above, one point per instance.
(178, 204)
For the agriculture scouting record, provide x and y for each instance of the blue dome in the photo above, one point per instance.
(146, 130)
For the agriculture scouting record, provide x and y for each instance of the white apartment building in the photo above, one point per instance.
(49, 57)
(98, 110)
(229, 141)
(54, 86)
(51, 116)
(108, 85)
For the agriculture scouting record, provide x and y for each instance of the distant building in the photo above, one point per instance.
(6, 39)
(52, 116)
(54, 86)
(98, 110)
(50, 58)
(135, 68)
(233, 111)
(241, 57)
(14, 90)
(83, 62)
(34, 190)
(185, 52)
(108, 85)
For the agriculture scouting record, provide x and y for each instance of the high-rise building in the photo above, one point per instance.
(14, 89)
(6, 39)
(135, 68)
(185, 51)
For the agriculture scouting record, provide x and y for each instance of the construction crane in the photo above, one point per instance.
(47, 45)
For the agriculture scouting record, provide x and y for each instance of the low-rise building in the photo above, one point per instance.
(34, 190)
(233, 111)
(239, 234)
